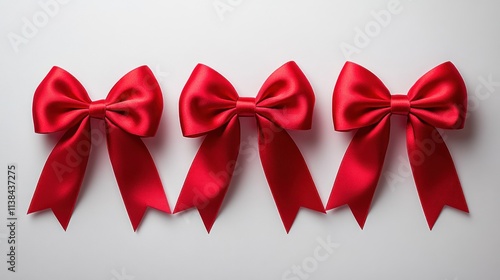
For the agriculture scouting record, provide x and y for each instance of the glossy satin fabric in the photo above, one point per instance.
(131, 110)
(361, 101)
(209, 105)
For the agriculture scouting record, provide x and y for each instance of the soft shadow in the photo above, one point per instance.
(161, 140)
(50, 140)
(467, 134)
(310, 138)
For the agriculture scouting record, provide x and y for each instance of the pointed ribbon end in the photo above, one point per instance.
(360, 214)
(62, 217)
(431, 215)
(287, 228)
(208, 219)
(137, 215)
(136, 220)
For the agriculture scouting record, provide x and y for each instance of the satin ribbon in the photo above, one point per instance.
(131, 110)
(209, 105)
(361, 101)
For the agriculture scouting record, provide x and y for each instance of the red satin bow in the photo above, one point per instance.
(131, 110)
(210, 105)
(361, 101)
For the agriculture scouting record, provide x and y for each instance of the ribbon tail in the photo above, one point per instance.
(210, 173)
(286, 171)
(360, 170)
(62, 175)
(136, 174)
(433, 170)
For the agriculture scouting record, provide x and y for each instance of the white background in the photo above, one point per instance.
(99, 41)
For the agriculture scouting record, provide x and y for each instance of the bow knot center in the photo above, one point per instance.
(245, 106)
(400, 104)
(97, 109)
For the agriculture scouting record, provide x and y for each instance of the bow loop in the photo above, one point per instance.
(60, 102)
(135, 103)
(360, 98)
(286, 98)
(439, 97)
(207, 102)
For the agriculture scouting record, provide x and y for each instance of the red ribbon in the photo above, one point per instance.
(209, 105)
(361, 101)
(131, 110)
